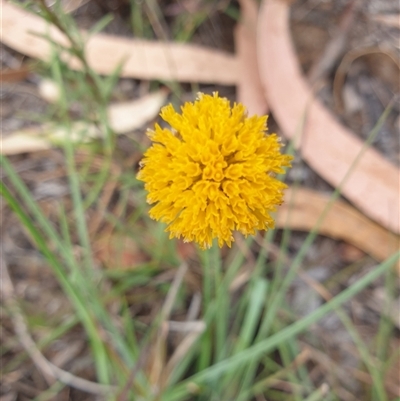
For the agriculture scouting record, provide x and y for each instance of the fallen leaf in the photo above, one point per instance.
(46, 136)
(127, 116)
(303, 207)
(141, 59)
(249, 89)
(23, 141)
(328, 147)
(14, 75)
(123, 117)
(49, 90)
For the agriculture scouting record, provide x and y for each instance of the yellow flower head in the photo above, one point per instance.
(213, 172)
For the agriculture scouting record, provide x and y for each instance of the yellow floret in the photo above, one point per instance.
(213, 172)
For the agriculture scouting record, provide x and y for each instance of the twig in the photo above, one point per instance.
(183, 348)
(21, 330)
(336, 46)
(344, 67)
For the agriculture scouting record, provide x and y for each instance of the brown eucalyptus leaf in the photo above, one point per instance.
(303, 208)
(328, 147)
(249, 88)
(141, 59)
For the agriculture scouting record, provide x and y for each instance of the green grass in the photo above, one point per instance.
(251, 337)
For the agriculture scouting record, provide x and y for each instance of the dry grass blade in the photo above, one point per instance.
(157, 366)
(365, 377)
(153, 355)
(328, 147)
(141, 59)
(47, 368)
(300, 360)
(182, 349)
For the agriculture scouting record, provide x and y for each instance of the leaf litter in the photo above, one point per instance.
(324, 265)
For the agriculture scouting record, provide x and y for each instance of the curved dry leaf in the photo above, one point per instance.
(23, 141)
(140, 58)
(328, 147)
(128, 116)
(303, 207)
(47, 136)
(123, 117)
(249, 90)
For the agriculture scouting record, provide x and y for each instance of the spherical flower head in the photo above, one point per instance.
(213, 172)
